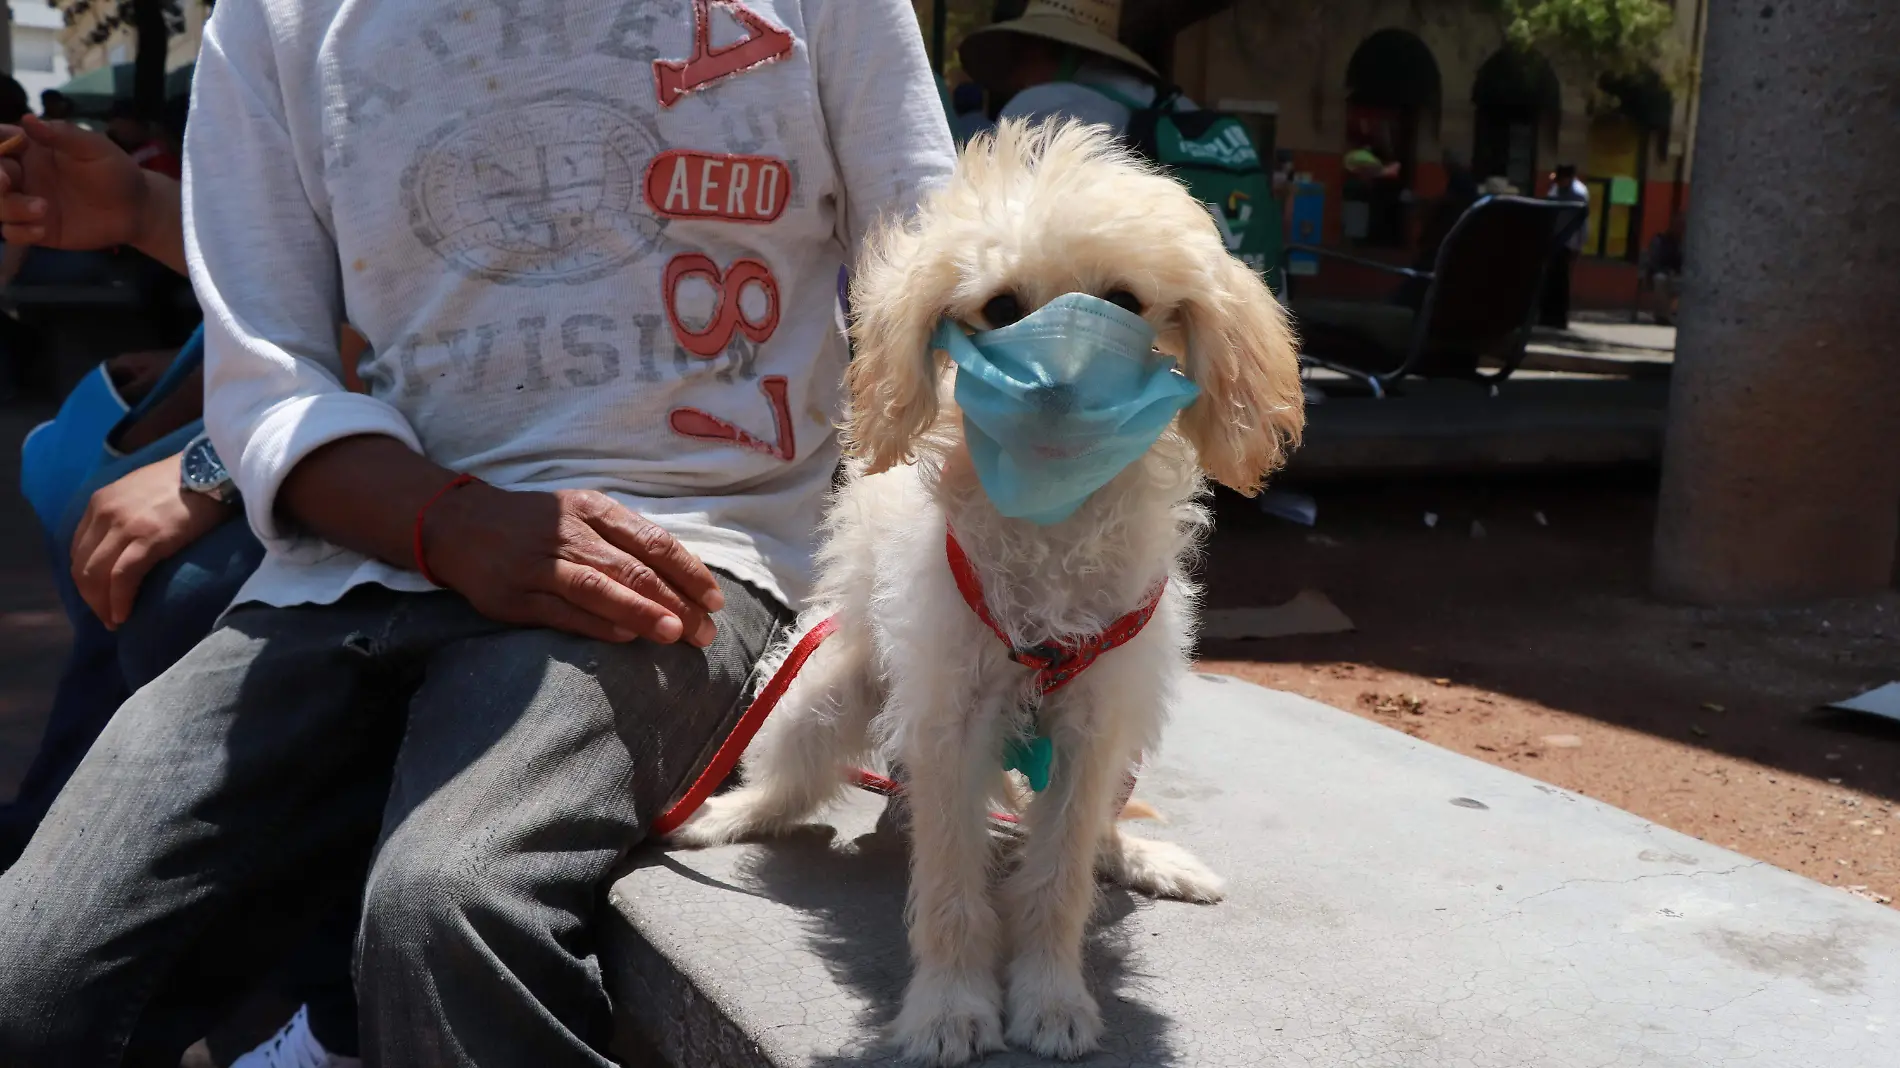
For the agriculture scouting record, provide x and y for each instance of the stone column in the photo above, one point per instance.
(1781, 474)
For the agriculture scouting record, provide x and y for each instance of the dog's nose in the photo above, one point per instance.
(1055, 399)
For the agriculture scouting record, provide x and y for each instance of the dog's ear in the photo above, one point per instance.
(902, 286)
(1243, 355)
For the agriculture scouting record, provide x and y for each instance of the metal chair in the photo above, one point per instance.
(1479, 300)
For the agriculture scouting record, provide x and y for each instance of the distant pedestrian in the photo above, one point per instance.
(141, 141)
(13, 100)
(55, 106)
(1565, 186)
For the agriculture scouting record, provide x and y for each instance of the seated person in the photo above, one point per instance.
(967, 118)
(144, 565)
(1662, 269)
(511, 596)
(1461, 191)
(1058, 62)
(55, 106)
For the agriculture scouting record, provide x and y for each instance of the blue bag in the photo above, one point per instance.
(58, 456)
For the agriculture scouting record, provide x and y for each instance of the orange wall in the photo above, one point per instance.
(1656, 206)
(1603, 284)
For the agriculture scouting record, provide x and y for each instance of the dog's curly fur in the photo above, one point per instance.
(913, 677)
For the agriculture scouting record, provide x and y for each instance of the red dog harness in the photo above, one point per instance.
(1056, 664)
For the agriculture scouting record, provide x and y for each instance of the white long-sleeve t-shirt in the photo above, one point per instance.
(593, 244)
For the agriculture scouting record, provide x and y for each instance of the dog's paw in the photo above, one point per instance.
(1162, 869)
(1053, 1017)
(725, 819)
(948, 1021)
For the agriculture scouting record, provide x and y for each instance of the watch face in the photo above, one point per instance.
(200, 466)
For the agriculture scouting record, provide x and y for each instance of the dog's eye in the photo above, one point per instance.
(1002, 310)
(1122, 298)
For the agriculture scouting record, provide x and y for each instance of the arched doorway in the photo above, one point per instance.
(1515, 97)
(1393, 89)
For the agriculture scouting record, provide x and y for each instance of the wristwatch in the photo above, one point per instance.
(200, 471)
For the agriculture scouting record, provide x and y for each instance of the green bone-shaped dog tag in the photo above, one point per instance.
(1033, 757)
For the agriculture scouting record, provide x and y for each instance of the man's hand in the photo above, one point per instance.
(70, 188)
(132, 526)
(573, 560)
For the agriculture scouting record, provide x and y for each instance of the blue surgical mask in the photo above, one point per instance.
(1058, 403)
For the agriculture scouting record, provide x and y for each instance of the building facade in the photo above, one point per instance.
(101, 33)
(1430, 85)
(38, 57)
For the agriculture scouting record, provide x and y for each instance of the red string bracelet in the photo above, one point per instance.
(454, 484)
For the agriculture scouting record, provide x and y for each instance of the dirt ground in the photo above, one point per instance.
(1517, 630)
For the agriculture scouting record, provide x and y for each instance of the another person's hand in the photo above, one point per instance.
(574, 560)
(132, 526)
(135, 373)
(70, 188)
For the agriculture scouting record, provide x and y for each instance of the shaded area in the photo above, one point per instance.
(847, 893)
(34, 636)
(1537, 648)
(1559, 614)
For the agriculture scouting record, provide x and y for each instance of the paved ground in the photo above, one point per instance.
(1390, 904)
(1608, 330)
(1533, 645)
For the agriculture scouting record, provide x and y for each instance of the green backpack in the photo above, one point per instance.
(1213, 154)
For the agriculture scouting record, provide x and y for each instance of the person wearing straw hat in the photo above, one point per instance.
(1061, 60)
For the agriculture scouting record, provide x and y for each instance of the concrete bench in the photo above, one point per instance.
(1392, 905)
(1536, 422)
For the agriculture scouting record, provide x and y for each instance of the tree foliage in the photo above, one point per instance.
(1613, 37)
(963, 17)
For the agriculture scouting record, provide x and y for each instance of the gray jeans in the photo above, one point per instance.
(488, 778)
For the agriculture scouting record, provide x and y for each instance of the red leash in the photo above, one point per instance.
(728, 755)
(1056, 664)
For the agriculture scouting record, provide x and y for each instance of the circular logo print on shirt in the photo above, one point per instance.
(544, 194)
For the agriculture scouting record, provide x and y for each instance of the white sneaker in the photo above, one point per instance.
(293, 1046)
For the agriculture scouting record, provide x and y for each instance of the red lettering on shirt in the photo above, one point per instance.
(728, 313)
(764, 42)
(684, 184)
(703, 426)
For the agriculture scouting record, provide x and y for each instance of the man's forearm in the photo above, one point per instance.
(161, 227)
(363, 493)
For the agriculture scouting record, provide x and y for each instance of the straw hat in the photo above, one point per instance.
(1090, 25)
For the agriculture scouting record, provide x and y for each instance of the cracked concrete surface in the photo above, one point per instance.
(1372, 923)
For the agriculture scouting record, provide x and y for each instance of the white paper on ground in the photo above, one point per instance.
(1309, 612)
(1883, 702)
(1293, 507)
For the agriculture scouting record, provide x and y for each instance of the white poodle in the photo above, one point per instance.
(914, 676)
